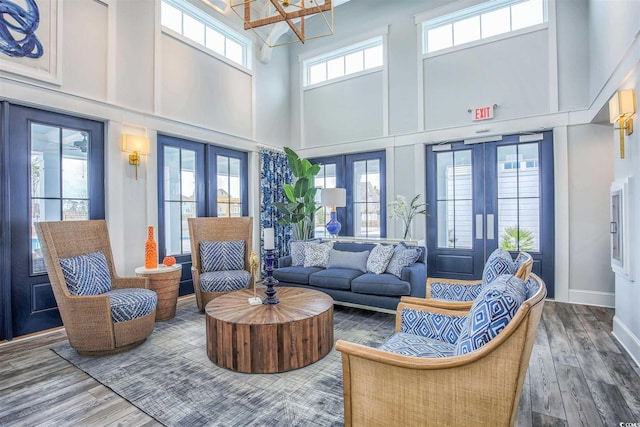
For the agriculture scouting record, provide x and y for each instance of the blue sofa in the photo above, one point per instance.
(353, 286)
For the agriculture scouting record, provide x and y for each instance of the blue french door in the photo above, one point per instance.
(55, 172)
(487, 195)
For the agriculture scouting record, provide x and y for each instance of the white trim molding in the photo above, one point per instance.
(627, 339)
(599, 298)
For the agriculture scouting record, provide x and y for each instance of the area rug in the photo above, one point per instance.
(170, 378)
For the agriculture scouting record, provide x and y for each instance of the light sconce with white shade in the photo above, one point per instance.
(333, 198)
(136, 145)
(621, 107)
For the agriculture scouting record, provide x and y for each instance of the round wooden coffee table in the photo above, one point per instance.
(269, 338)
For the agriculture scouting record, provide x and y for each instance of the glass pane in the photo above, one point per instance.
(330, 175)
(373, 57)
(74, 164)
(444, 184)
(495, 22)
(173, 228)
(439, 38)
(188, 176)
(526, 14)
(463, 217)
(45, 161)
(466, 31)
(529, 172)
(359, 227)
(171, 17)
(320, 220)
(193, 29)
(234, 180)
(41, 210)
(234, 51)
(172, 169)
(359, 181)
(223, 196)
(318, 73)
(222, 206)
(445, 224)
(188, 211)
(507, 167)
(335, 68)
(73, 210)
(463, 179)
(508, 224)
(529, 220)
(354, 62)
(236, 209)
(215, 41)
(372, 217)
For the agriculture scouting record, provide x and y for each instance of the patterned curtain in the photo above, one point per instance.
(274, 172)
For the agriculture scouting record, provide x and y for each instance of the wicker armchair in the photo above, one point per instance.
(453, 294)
(213, 229)
(88, 320)
(479, 388)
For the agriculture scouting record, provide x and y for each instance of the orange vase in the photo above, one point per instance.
(150, 251)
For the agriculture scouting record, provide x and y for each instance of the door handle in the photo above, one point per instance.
(479, 226)
(490, 227)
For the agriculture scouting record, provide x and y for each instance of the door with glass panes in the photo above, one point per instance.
(487, 195)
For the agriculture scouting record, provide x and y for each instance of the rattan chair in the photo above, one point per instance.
(464, 290)
(88, 319)
(214, 229)
(480, 388)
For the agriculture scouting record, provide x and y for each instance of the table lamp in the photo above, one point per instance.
(333, 198)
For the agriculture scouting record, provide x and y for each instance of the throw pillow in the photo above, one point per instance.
(346, 259)
(86, 274)
(317, 255)
(402, 257)
(296, 250)
(379, 258)
(222, 256)
(499, 263)
(492, 310)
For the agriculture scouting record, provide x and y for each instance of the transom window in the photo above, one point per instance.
(480, 22)
(197, 26)
(356, 58)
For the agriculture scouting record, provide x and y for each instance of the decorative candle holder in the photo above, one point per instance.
(270, 281)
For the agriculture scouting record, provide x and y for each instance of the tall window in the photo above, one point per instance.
(485, 20)
(455, 199)
(326, 178)
(230, 172)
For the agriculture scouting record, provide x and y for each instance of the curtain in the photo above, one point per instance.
(274, 173)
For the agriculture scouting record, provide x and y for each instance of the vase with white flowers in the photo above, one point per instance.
(399, 209)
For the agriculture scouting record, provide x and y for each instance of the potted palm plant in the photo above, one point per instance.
(300, 206)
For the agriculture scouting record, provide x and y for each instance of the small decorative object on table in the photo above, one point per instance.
(150, 250)
(270, 281)
(400, 210)
(169, 261)
(253, 263)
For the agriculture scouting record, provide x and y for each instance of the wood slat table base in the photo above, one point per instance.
(269, 338)
(166, 285)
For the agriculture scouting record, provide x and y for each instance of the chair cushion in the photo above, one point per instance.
(379, 258)
(492, 310)
(86, 274)
(432, 325)
(531, 287)
(522, 257)
(350, 260)
(130, 304)
(296, 250)
(402, 257)
(334, 278)
(416, 345)
(380, 284)
(317, 255)
(295, 274)
(454, 292)
(220, 256)
(499, 262)
(224, 281)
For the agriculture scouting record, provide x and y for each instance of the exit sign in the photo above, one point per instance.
(482, 113)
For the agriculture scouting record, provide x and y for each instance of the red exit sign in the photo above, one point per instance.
(483, 113)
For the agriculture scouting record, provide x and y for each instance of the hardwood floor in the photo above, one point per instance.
(578, 376)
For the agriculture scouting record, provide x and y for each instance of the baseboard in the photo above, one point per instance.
(364, 307)
(627, 339)
(602, 299)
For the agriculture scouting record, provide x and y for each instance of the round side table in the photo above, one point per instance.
(165, 281)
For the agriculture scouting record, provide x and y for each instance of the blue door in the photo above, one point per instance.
(488, 195)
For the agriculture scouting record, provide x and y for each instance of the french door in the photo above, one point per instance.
(487, 195)
(55, 172)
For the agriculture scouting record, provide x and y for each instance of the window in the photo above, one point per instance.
(326, 178)
(367, 55)
(480, 22)
(195, 25)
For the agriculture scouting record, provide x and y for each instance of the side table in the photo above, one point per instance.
(165, 281)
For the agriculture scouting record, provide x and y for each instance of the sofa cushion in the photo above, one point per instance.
(224, 281)
(417, 346)
(492, 310)
(295, 274)
(402, 257)
(129, 304)
(432, 325)
(379, 258)
(380, 284)
(220, 256)
(296, 250)
(499, 262)
(317, 255)
(350, 260)
(334, 278)
(86, 274)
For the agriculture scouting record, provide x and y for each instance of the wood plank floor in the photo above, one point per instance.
(578, 376)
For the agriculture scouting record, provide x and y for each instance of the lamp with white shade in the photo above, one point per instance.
(333, 198)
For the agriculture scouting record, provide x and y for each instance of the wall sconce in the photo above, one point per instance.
(621, 107)
(137, 145)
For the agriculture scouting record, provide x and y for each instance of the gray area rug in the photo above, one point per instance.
(170, 378)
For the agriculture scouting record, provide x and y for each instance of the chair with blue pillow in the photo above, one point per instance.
(220, 251)
(102, 312)
(446, 367)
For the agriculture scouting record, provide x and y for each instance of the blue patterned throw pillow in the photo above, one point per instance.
(379, 259)
(86, 274)
(317, 255)
(221, 256)
(402, 257)
(297, 248)
(492, 310)
(499, 263)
